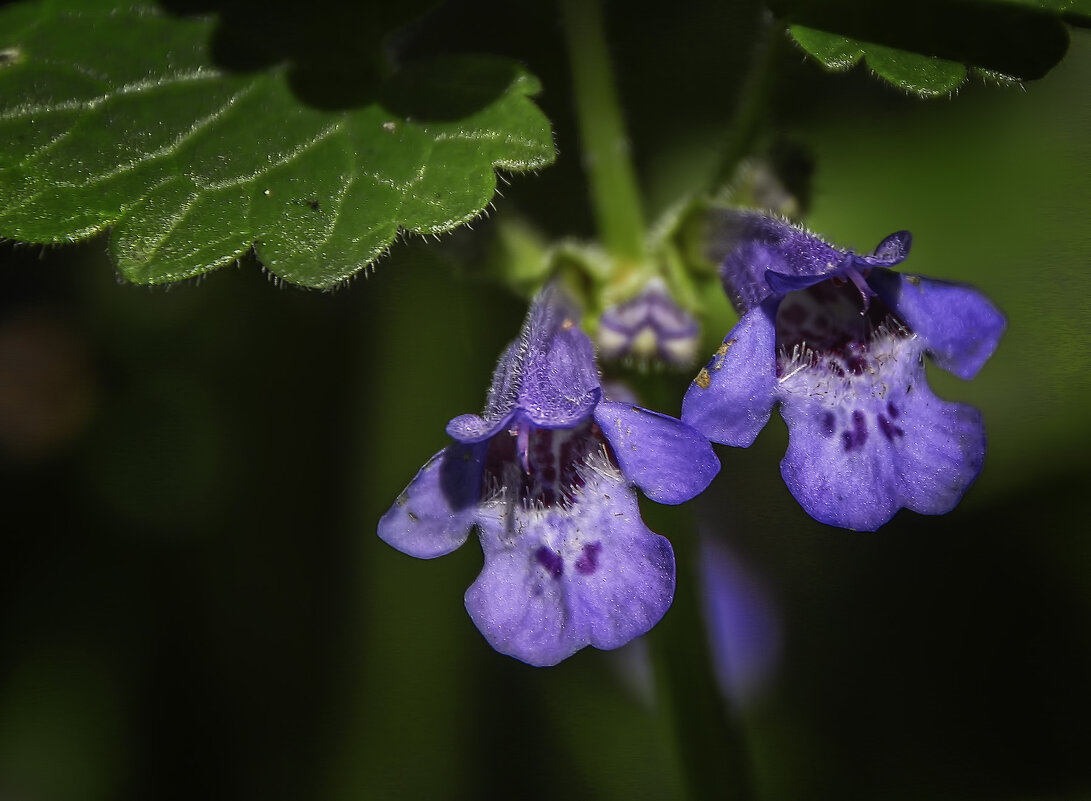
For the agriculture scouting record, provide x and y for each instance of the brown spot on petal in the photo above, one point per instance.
(567, 324)
(721, 353)
(703, 379)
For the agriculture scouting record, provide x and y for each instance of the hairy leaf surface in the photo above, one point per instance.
(929, 47)
(123, 116)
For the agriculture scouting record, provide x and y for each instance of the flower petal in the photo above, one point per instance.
(855, 463)
(959, 326)
(470, 429)
(547, 374)
(732, 397)
(782, 283)
(892, 250)
(670, 461)
(435, 513)
(747, 245)
(558, 579)
(560, 382)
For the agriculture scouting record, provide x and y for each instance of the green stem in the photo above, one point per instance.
(711, 746)
(712, 751)
(615, 197)
(752, 104)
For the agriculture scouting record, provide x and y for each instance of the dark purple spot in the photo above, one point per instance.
(858, 435)
(550, 560)
(859, 422)
(827, 424)
(890, 431)
(892, 409)
(588, 561)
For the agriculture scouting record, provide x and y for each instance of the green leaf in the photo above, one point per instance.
(928, 47)
(926, 76)
(124, 118)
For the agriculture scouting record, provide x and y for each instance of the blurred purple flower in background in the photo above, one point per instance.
(742, 623)
(546, 476)
(744, 630)
(838, 339)
(650, 326)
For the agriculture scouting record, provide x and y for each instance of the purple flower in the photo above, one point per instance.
(837, 339)
(649, 326)
(546, 476)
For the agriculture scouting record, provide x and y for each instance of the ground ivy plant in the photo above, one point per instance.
(312, 140)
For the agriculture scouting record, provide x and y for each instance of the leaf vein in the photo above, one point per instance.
(287, 158)
(25, 110)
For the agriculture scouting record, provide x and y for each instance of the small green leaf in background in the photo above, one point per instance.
(928, 47)
(126, 117)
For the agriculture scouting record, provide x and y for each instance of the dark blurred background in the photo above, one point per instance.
(194, 603)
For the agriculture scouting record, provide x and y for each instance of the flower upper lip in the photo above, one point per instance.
(762, 256)
(546, 377)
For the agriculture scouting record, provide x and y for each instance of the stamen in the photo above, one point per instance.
(866, 292)
(523, 445)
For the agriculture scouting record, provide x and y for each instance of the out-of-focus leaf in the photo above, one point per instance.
(125, 117)
(926, 76)
(927, 47)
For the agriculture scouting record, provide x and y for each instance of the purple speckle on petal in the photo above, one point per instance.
(828, 424)
(588, 561)
(550, 560)
(890, 431)
(857, 437)
(892, 410)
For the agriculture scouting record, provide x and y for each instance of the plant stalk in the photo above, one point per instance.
(615, 197)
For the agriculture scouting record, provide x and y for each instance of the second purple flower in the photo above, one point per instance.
(837, 339)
